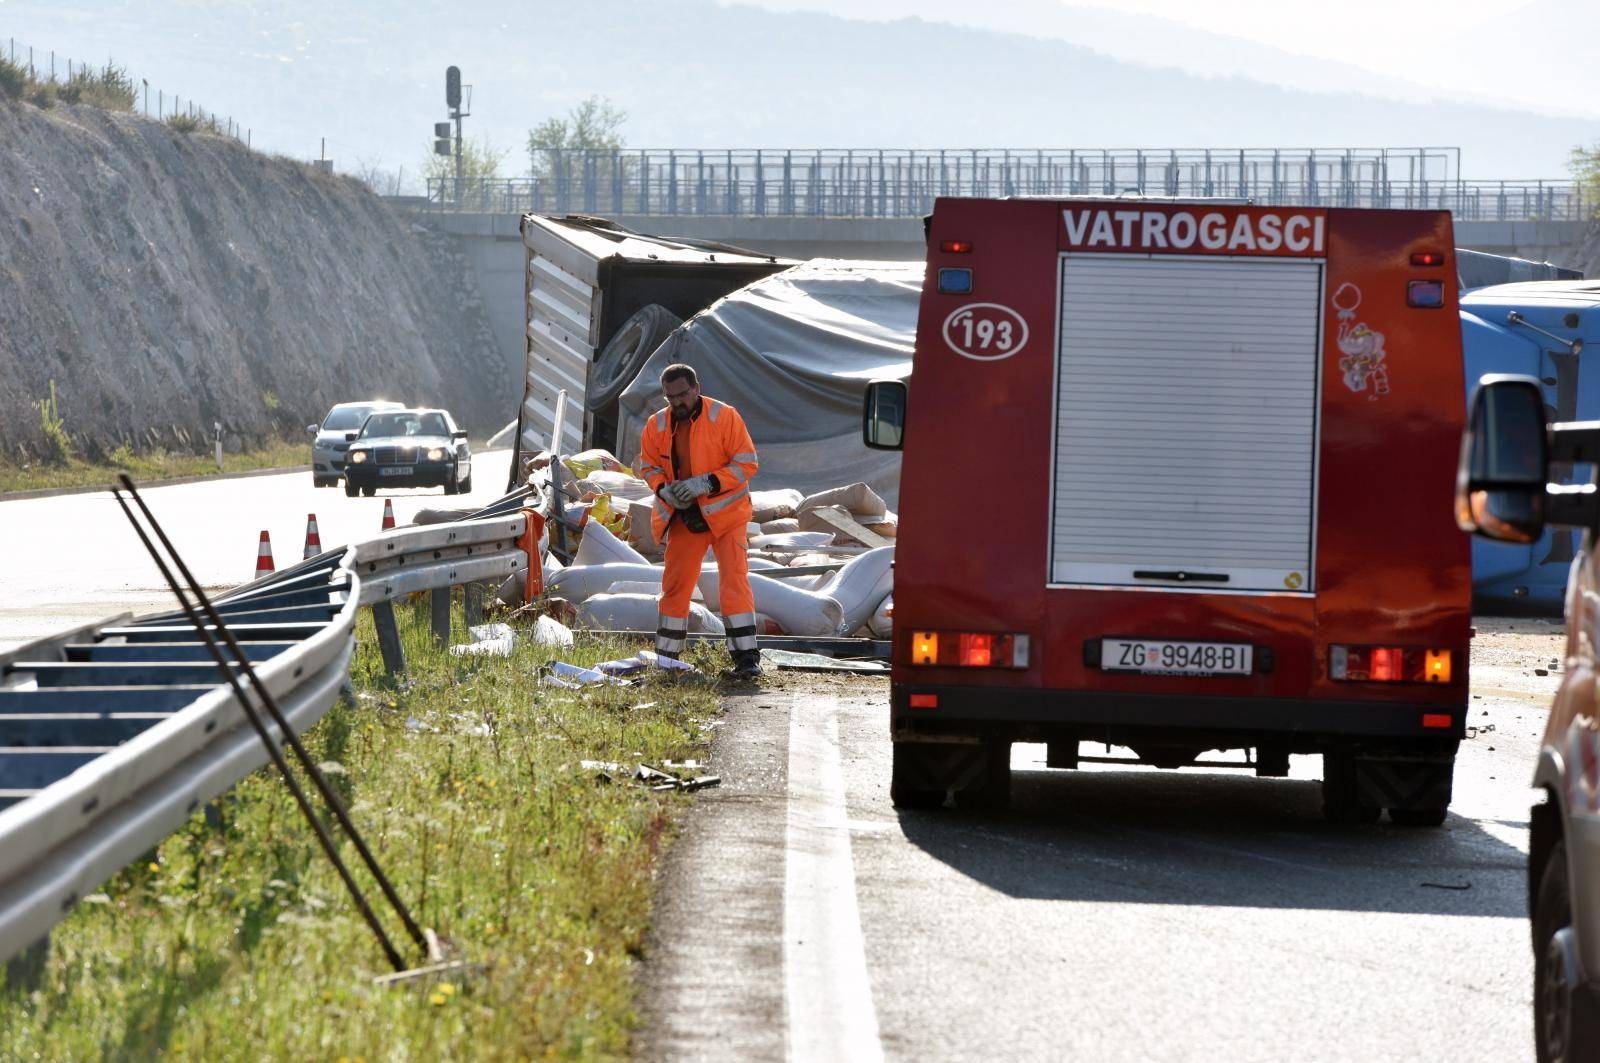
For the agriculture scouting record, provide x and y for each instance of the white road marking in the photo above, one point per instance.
(826, 987)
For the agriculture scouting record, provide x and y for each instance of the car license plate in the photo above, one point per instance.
(395, 470)
(1167, 657)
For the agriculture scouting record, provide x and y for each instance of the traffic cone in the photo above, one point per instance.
(388, 515)
(264, 566)
(313, 540)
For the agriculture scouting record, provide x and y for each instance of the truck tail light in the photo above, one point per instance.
(956, 247)
(1427, 258)
(970, 649)
(1388, 664)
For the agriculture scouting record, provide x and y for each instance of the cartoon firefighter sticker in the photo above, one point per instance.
(1360, 345)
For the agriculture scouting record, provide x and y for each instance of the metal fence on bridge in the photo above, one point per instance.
(900, 184)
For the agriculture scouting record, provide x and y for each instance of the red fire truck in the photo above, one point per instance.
(1177, 478)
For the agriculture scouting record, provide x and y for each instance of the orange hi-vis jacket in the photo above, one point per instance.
(719, 444)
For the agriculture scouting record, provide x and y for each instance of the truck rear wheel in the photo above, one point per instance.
(1341, 798)
(912, 783)
(994, 792)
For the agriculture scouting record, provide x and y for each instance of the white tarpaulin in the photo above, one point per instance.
(793, 353)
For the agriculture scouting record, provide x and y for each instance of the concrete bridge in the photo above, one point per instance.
(492, 242)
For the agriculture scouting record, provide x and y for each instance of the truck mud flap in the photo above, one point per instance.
(1410, 783)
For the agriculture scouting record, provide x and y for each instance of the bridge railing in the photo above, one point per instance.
(901, 184)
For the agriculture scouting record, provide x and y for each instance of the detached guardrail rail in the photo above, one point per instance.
(113, 734)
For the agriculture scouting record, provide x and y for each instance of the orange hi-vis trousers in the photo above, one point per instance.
(686, 550)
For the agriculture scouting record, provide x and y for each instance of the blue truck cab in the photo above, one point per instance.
(1546, 330)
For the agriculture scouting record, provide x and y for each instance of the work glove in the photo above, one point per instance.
(684, 492)
(669, 495)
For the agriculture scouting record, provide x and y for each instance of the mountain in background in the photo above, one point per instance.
(369, 76)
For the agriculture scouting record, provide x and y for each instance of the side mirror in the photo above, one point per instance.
(460, 433)
(883, 415)
(311, 428)
(350, 437)
(1505, 453)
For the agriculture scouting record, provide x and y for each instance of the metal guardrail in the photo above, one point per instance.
(113, 734)
(902, 184)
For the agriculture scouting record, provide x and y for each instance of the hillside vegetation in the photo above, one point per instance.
(156, 279)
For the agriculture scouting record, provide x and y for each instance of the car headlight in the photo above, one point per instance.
(357, 457)
(436, 454)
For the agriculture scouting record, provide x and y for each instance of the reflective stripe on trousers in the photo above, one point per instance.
(671, 634)
(741, 631)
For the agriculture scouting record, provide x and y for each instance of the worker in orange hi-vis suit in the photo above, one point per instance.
(697, 457)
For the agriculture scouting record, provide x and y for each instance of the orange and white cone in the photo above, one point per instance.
(388, 515)
(313, 540)
(264, 565)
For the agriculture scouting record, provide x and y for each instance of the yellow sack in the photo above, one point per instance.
(593, 461)
(615, 519)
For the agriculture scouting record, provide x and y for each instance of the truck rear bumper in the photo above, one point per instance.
(1229, 721)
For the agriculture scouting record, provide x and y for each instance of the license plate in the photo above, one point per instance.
(395, 470)
(1168, 657)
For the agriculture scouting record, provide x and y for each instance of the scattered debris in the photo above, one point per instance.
(653, 778)
(817, 662)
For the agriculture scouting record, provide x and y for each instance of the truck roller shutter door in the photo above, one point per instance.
(1186, 423)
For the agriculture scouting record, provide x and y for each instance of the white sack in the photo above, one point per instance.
(860, 586)
(600, 546)
(858, 498)
(548, 631)
(798, 612)
(580, 582)
(780, 526)
(793, 541)
(619, 485)
(761, 562)
(641, 587)
(882, 624)
(637, 612)
(771, 505)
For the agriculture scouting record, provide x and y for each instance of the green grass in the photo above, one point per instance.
(148, 466)
(235, 940)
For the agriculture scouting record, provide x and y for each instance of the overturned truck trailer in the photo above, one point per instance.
(584, 278)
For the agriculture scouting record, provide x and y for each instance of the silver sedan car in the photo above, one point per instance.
(329, 444)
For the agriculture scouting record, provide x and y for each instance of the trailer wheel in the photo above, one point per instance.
(1341, 800)
(636, 339)
(994, 793)
(1553, 966)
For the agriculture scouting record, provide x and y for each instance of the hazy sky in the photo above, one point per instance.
(1493, 51)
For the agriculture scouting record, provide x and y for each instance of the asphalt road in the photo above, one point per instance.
(1115, 913)
(73, 559)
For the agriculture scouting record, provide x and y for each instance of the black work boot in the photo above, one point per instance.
(747, 664)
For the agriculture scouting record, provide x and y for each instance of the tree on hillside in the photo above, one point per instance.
(1584, 163)
(480, 159)
(556, 147)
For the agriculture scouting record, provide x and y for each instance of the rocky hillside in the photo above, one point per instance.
(165, 280)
